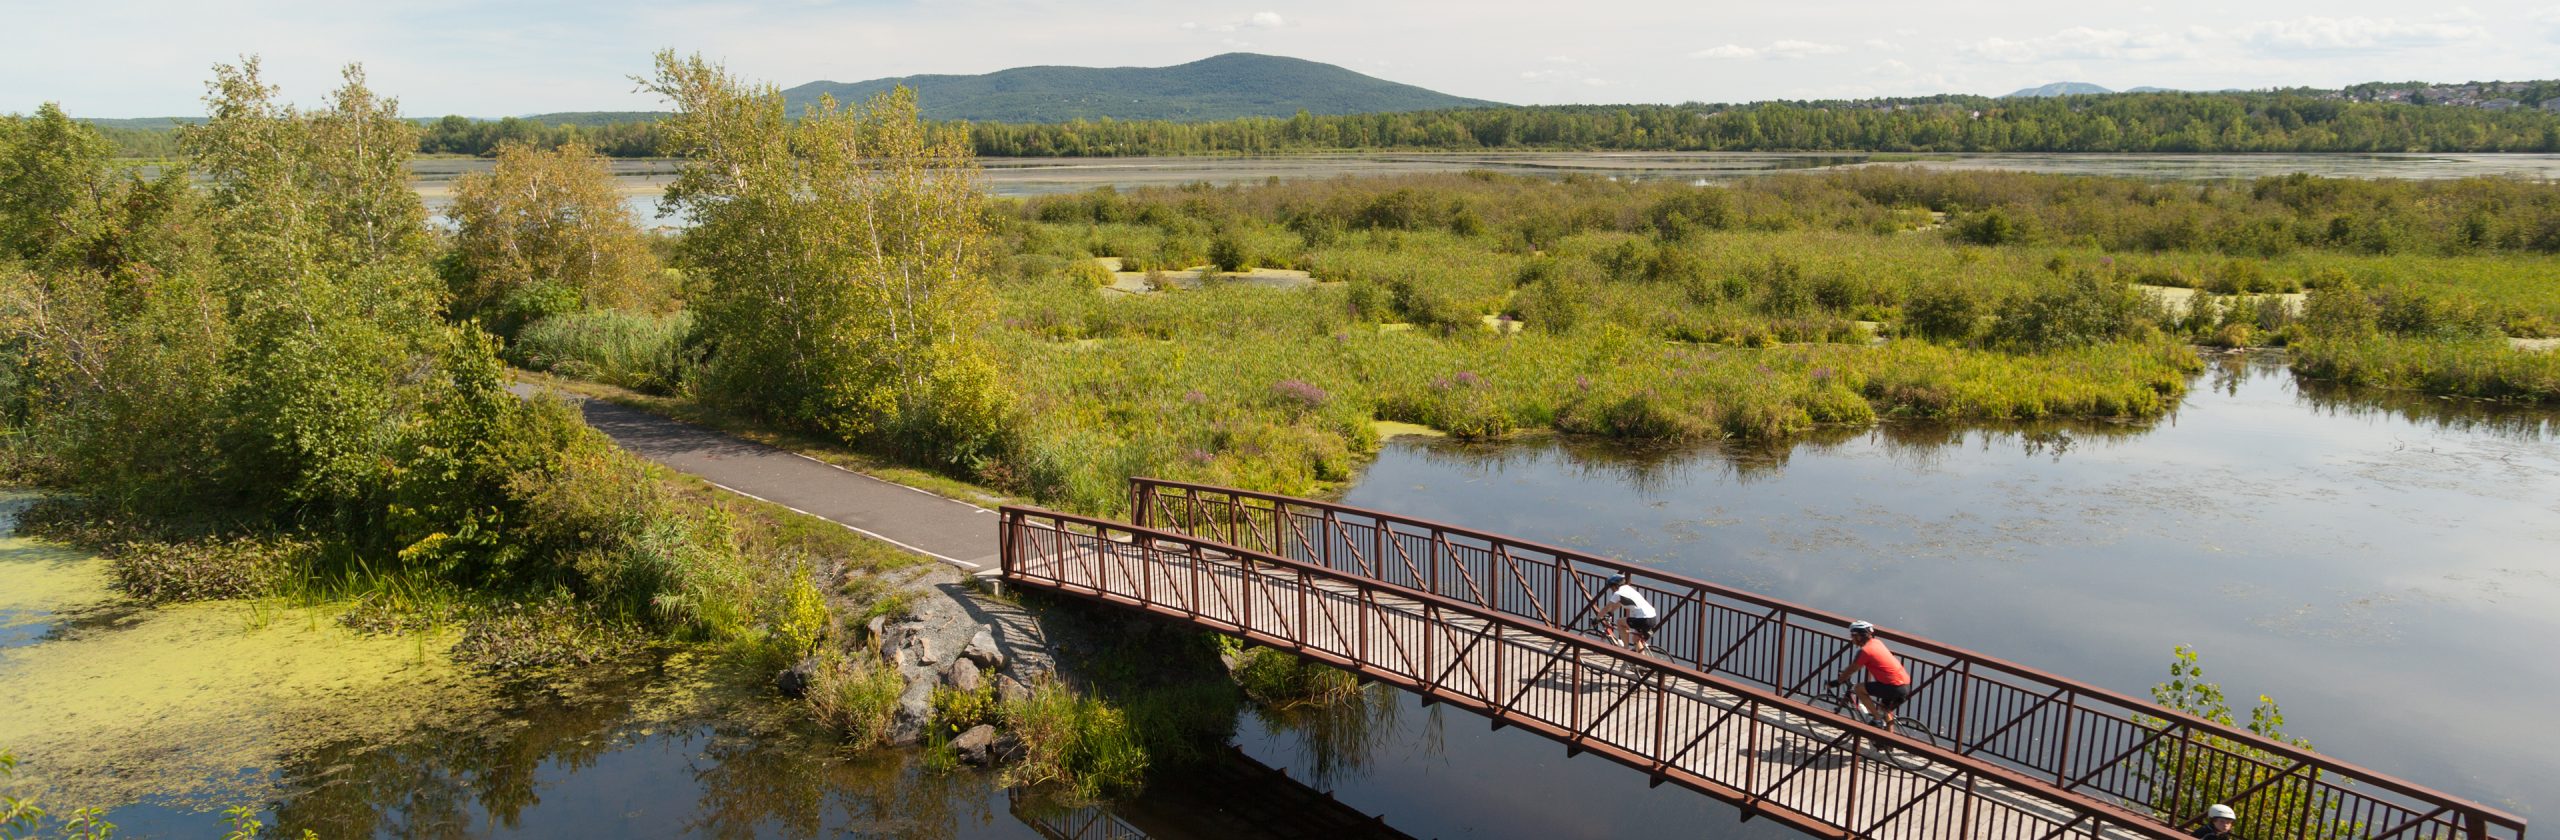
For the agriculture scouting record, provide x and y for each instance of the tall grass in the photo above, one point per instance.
(2486, 368)
(635, 350)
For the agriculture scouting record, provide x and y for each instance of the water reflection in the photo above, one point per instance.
(1336, 741)
(2361, 555)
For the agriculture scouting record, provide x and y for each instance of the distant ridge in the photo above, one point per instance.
(2065, 89)
(1223, 87)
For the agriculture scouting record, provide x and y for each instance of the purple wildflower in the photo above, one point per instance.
(1300, 392)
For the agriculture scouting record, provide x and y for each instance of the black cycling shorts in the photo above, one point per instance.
(1644, 625)
(1888, 696)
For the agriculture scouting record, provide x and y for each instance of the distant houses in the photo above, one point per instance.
(2552, 104)
(2499, 104)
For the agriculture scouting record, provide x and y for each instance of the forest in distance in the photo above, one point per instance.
(2171, 122)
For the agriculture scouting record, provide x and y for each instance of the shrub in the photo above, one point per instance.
(1989, 227)
(2082, 310)
(206, 569)
(956, 711)
(1278, 680)
(1944, 311)
(1080, 742)
(1228, 253)
(2340, 310)
(856, 698)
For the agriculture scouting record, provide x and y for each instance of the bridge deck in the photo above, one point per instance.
(1801, 765)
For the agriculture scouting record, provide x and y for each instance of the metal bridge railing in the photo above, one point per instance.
(1725, 737)
(2073, 736)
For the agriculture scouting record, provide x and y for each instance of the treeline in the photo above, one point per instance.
(2157, 122)
(2146, 122)
(457, 135)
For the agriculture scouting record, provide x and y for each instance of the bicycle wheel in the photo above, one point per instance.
(1905, 758)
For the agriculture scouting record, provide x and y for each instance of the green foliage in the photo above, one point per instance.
(1943, 311)
(1278, 680)
(157, 572)
(1989, 227)
(2087, 309)
(870, 324)
(544, 233)
(1080, 742)
(632, 350)
(956, 711)
(856, 697)
(23, 818)
(2210, 775)
(2486, 368)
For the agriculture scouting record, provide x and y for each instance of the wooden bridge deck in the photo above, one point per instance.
(1774, 757)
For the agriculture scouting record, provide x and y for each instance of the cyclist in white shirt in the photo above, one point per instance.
(1621, 598)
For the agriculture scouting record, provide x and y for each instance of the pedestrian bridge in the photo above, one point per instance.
(1720, 705)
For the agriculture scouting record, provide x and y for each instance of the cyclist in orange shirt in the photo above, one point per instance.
(1887, 685)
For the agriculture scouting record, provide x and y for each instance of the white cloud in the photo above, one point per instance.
(1801, 49)
(2082, 42)
(2351, 33)
(1265, 20)
(1782, 49)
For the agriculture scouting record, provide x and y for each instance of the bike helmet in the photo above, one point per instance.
(1617, 578)
(2221, 812)
(1857, 627)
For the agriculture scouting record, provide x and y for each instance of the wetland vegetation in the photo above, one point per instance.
(263, 378)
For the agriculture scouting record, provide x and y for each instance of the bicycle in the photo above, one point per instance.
(1844, 700)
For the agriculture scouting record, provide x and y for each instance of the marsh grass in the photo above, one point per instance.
(1277, 680)
(855, 696)
(637, 350)
(2485, 368)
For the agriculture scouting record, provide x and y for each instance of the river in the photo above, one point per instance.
(2380, 563)
(641, 181)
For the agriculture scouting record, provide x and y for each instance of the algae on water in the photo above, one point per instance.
(196, 702)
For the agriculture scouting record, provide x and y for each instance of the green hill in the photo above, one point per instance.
(1221, 87)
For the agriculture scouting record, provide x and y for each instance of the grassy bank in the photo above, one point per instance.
(2485, 368)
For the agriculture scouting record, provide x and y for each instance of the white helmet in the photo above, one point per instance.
(1857, 627)
(2221, 812)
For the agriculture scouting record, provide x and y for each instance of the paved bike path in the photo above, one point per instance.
(945, 529)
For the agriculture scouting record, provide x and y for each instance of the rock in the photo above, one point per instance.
(976, 746)
(879, 628)
(794, 681)
(982, 649)
(1010, 690)
(915, 711)
(963, 675)
(921, 649)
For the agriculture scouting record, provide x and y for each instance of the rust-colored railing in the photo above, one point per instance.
(1739, 742)
(2073, 736)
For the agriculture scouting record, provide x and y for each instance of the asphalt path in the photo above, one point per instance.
(945, 529)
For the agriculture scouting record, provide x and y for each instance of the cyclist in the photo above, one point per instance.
(2218, 823)
(1640, 616)
(1887, 685)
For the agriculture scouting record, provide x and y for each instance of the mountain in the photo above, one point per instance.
(1221, 87)
(2059, 89)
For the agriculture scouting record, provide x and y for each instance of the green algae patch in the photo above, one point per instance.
(1390, 428)
(43, 580)
(198, 703)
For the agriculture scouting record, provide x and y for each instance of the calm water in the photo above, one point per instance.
(2382, 564)
(641, 181)
(2388, 569)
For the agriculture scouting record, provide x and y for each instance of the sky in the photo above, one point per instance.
(138, 58)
